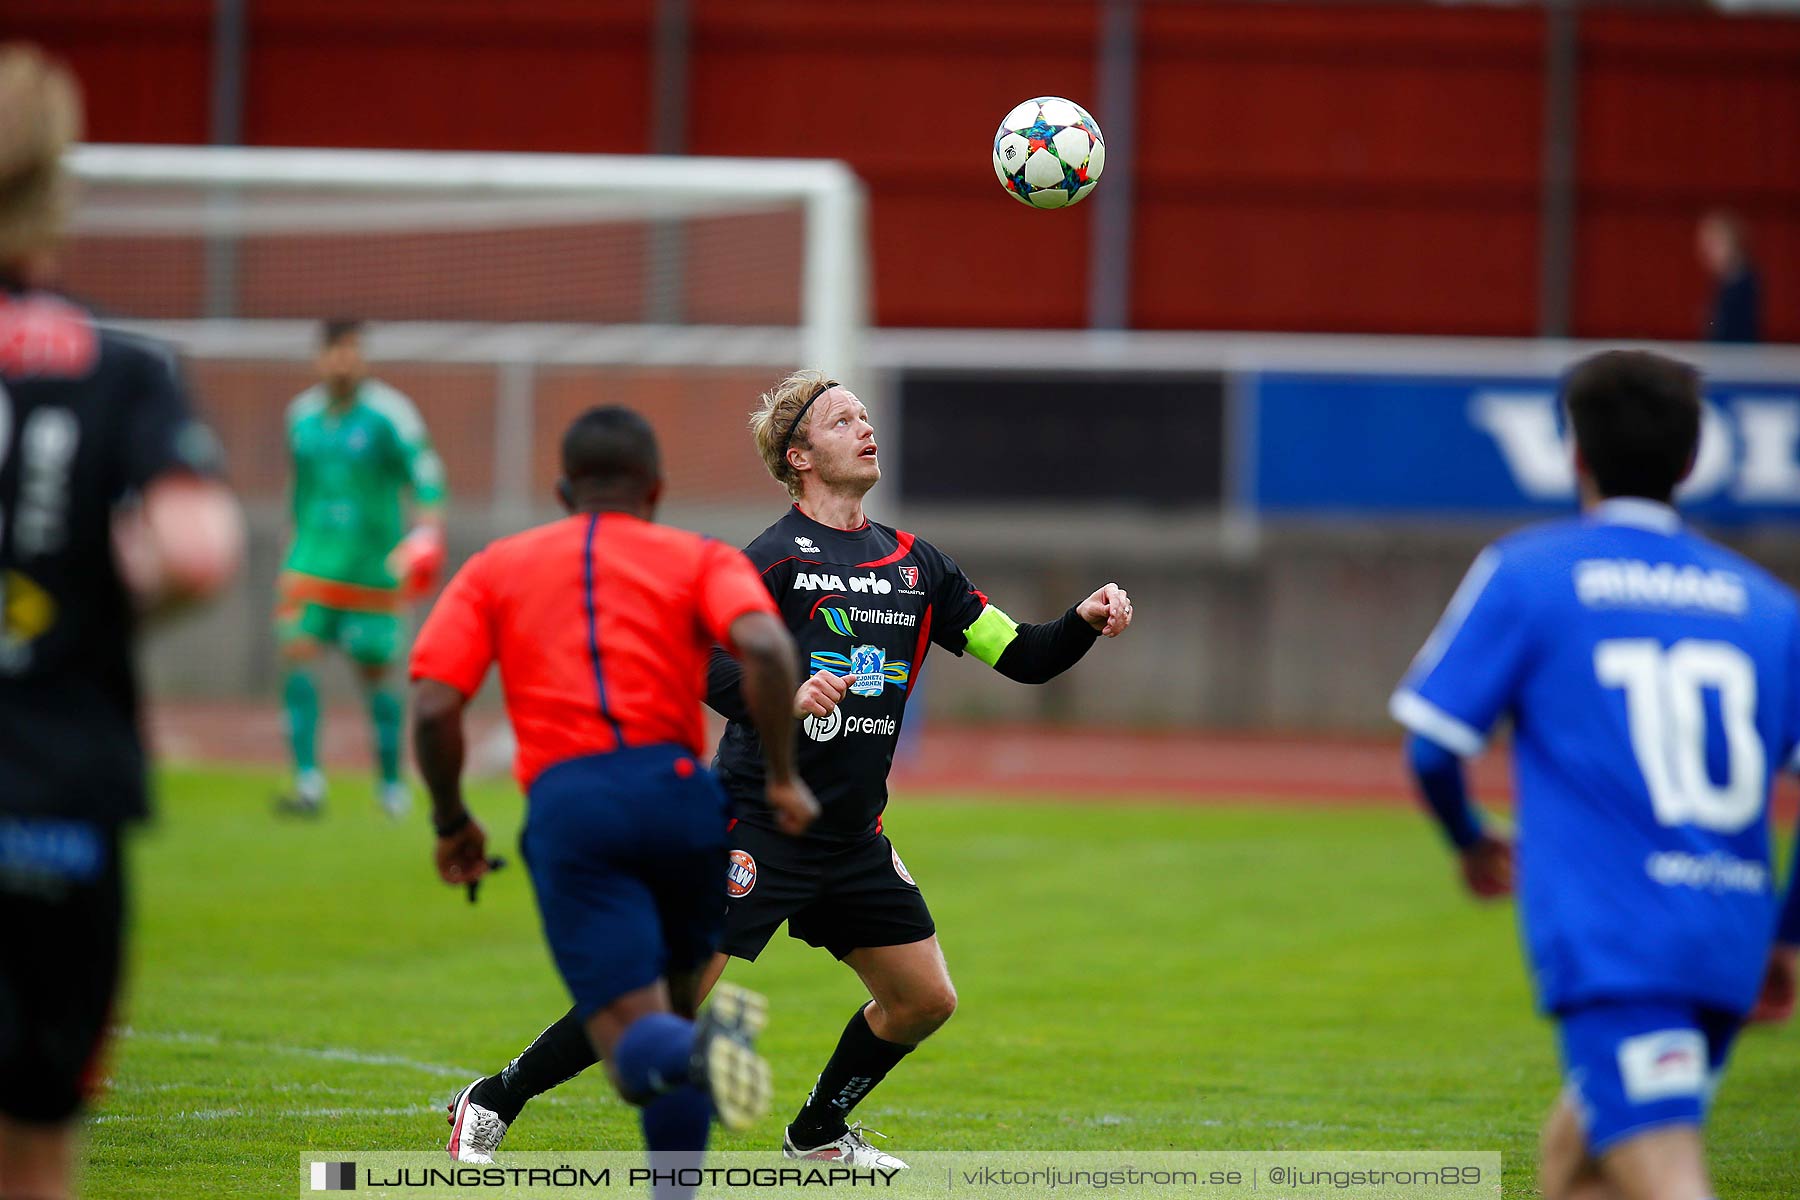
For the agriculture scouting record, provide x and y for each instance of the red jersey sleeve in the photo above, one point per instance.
(456, 644)
(729, 588)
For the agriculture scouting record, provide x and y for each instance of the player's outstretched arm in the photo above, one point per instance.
(1039, 653)
(767, 653)
(437, 729)
(1486, 859)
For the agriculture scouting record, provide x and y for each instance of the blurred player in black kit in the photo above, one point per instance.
(109, 509)
(864, 602)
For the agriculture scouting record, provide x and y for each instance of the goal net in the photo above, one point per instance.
(505, 293)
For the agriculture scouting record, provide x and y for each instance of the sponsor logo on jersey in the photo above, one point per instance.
(821, 581)
(740, 876)
(838, 619)
(807, 544)
(1633, 583)
(1715, 872)
(42, 335)
(66, 851)
(909, 576)
(823, 729)
(900, 867)
(868, 670)
(895, 671)
(885, 616)
(27, 613)
(47, 443)
(1662, 1065)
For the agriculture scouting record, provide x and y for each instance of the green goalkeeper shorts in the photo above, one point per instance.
(370, 639)
(364, 622)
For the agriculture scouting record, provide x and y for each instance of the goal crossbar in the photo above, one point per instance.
(833, 309)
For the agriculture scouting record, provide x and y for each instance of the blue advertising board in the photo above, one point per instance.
(1479, 446)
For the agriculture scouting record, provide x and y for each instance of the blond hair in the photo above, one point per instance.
(772, 422)
(40, 115)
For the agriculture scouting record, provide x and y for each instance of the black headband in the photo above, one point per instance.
(788, 438)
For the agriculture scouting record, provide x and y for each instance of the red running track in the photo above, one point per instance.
(1062, 764)
(1015, 760)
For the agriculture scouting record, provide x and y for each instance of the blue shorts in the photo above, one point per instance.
(1636, 1064)
(627, 853)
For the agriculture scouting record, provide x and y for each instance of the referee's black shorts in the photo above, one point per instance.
(62, 907)
(840, 896)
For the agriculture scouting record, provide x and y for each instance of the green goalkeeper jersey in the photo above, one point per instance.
(352, 466)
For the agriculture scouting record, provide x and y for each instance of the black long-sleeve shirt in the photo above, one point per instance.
(868, 602)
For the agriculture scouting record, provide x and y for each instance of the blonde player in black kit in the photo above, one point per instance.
(108, 510)
(865, 603)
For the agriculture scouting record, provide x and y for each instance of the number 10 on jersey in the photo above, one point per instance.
(1665, 709)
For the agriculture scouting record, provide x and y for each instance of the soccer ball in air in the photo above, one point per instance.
(1049, 153)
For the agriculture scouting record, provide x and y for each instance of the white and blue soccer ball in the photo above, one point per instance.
(1049, 153)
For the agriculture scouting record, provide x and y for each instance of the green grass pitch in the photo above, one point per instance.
(1132, 977)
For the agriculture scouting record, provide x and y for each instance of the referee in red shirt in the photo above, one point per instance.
(602, 624)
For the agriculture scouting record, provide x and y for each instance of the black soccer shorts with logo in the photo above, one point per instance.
(837, 894)
(62, 903)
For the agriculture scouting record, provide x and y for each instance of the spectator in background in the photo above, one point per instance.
(1736, 311)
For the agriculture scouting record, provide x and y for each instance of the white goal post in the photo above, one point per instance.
(834, 306)
(715, 272)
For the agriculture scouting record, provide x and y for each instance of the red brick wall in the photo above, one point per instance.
(1301, 166)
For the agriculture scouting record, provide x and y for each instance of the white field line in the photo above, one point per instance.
(326, 1053)
(233, 1114)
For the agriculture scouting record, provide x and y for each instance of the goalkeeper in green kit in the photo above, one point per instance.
(358, 447)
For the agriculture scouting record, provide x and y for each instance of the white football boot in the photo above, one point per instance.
(853, 1150)
(725, 1061)
(396, 800)
(475, 1132)
(306, 798)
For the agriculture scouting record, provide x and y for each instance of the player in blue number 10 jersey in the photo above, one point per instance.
(1653, 683)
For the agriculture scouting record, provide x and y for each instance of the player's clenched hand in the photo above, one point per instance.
(1107, 610)
(1776, 1003)
(1487, 867)
(820, 695)
(793, 804)
(462, 856)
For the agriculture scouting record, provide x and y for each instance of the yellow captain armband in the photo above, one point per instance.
(990, 635)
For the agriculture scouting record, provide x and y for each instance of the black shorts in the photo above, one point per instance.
(62, 906)
(841, 897)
